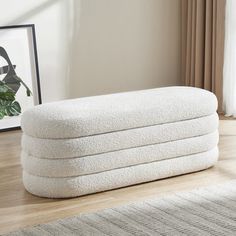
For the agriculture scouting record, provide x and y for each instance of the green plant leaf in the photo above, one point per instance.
(9, 108)
(2, 113)
(3, 89)
(8, 105)
(9, 96)
(13, 109)
(4, 103)
(2, 109)
(6, 93)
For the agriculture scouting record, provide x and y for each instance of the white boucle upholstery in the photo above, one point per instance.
(109, 113)
(113, 160)
(67, 148)
(81, 185)
(81, 146)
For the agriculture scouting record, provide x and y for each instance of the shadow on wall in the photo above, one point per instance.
(32, 12)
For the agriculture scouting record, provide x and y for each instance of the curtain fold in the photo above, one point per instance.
(229, 82)
(203, 45)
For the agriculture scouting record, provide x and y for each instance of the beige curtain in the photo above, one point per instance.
(203, 44)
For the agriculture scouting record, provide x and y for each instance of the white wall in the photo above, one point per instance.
(89, 47)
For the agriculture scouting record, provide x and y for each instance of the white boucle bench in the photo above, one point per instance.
(81, 146)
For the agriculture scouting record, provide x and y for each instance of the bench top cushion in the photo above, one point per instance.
(107, 113)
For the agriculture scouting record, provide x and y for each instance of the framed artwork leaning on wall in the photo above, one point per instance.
(19, 74)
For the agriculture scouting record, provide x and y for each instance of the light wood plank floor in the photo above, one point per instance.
(20, 209)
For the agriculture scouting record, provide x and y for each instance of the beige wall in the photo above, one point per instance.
(123, 45)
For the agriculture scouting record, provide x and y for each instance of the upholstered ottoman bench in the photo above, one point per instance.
(87, 145)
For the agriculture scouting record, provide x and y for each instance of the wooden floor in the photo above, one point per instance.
(20, 209)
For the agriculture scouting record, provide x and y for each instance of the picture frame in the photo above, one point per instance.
(19, 74)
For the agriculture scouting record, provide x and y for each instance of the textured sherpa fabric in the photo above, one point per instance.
(117, 159)
(81, 185)
(67, 148)
(108, 113)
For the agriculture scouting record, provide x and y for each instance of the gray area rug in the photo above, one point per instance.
(204, 211)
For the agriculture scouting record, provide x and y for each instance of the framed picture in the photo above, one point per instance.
(19, 74)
